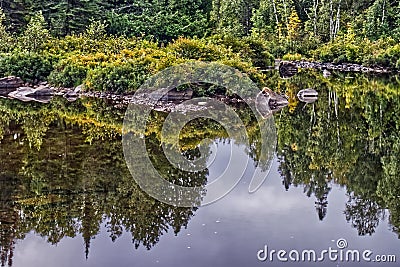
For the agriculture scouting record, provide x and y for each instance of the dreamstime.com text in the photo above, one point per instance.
(338, 254)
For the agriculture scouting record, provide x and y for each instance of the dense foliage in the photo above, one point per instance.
(119, 64)
(78, 38)
(320, 20)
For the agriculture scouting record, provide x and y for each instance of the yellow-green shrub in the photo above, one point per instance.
(197, 49)
(80, 44)
(73, 70)
(249, 49)
(292, 57)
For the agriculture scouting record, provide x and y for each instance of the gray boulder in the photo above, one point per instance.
(276, 101)
(28, 94)
(9, 84)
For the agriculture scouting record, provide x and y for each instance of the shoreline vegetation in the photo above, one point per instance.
(126, 44)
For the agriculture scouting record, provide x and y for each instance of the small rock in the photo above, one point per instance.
(326, 73)
(11, 81)
(43, 84)
(307, 95)
(9, 84)
(79, 89)
(27, 94)
(71, 99)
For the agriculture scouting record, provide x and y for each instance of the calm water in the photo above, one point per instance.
(68, 199)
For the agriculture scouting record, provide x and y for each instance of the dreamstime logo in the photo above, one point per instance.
(156, 88)
(338, 254)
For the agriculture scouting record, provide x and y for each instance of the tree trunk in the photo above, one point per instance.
(275, 13)
(337, 20)
(331, 29)
(315, 17)
(285, 10)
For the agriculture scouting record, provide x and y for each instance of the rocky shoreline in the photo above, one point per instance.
(14, 88)
(344, 67)
(276, 101)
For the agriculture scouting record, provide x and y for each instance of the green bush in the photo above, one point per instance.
(345, 48)
(197, 49)
(118, 77)
(73, 70)
(249, 48)
(382, 52)
(31, 67)
(69, 76)
(337, 52)
(390, 57)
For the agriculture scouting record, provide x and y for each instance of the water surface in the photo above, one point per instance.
(68, 199)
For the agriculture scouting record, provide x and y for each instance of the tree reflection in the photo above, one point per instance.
(9, 218)
(63, 171)
(363, 214)
(67, 162)
(57, 184)
(349, 137)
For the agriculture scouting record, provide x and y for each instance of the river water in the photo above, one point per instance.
(68, 198)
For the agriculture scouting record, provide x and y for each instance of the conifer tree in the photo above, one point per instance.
(70, 16)
(17, 13)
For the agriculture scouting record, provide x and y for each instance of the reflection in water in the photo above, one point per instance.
(349, 137)
(63, 173)
(61, 186)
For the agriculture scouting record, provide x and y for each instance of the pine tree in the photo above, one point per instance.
(17, 13)
(163, 20)
(234, 17)
(70, 16)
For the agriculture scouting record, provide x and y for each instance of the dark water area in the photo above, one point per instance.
(68, 198)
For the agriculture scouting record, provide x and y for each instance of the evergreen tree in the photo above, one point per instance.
(70, 16)
(234, 17)
(17, 13)
(163, 20)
